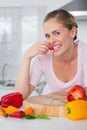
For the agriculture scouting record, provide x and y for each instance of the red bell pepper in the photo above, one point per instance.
(18, 114)
(14, 99)
(51, 48)
(76, 92)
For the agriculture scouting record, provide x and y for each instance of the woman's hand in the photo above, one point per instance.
(40, 47)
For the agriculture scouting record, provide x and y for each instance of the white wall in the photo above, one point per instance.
(51, 4)
(82, 30)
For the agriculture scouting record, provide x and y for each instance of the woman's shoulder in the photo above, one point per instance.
(82, 44)
(82, 51)
(82, 47)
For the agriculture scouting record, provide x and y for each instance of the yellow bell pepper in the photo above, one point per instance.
(10, 109)
(76, 110)
(1, 111)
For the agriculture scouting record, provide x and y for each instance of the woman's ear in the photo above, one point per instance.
(74, 31)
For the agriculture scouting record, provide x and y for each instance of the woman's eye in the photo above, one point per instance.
(47, 36)
(56, 33)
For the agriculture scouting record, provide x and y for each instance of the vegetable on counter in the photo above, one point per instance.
(10, 104)
(14, 112)
(33, 116)
(77, 92)
(10, 109)
(76, 110)
(28, 111)
(14, 99)
(18, 114)
(1, 111)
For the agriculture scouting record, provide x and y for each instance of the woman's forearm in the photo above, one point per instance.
(22, 81)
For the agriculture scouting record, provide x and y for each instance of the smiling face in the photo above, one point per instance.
(59, 37)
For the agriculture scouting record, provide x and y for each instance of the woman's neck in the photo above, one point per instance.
(67, 57)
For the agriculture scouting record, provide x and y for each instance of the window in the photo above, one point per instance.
(18, 30)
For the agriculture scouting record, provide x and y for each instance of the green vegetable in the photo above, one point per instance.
(32, 116)
(42, 117)
(6, 115)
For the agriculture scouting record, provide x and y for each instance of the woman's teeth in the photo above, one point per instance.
(56, 47)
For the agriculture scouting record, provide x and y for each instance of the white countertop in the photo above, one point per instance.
(55, 123)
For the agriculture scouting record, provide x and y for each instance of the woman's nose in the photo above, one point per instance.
(51, 40)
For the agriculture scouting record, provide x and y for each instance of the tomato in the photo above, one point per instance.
(76, 92)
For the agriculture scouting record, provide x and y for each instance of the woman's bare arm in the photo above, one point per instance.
(23, 79)
(22, 82)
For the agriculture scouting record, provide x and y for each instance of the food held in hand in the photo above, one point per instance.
(77, 92)
(14, 99)
(76, 110)
(50, 48)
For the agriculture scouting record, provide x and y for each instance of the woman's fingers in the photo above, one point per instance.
(43, 47)
(40, 47)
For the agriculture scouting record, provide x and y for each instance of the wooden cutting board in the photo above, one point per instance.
(50, 105)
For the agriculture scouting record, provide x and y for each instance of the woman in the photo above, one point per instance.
(61, 58)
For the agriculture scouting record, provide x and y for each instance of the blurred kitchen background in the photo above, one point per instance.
(21, 24)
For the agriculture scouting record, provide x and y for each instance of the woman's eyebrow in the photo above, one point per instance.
(55, 31)
(52, 32)
(46, 34)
